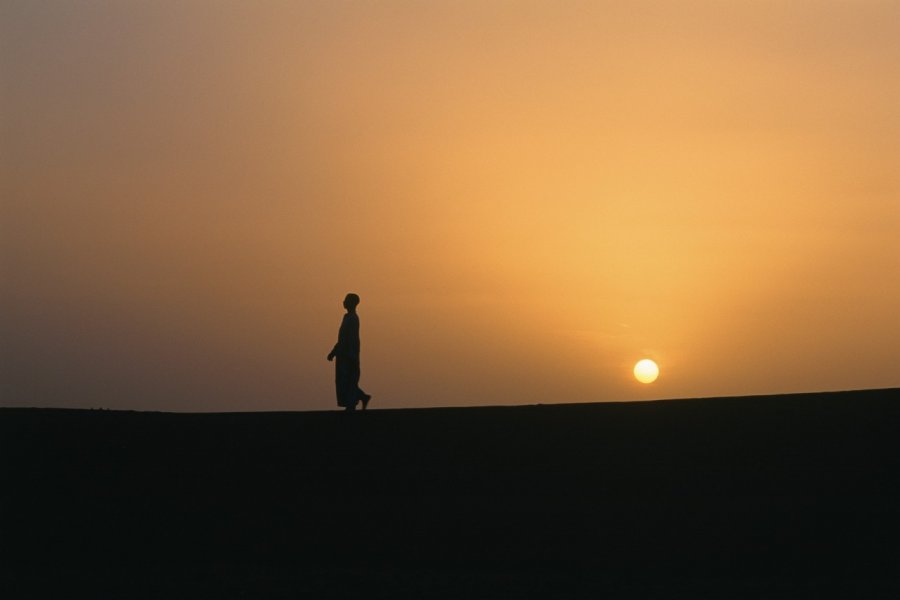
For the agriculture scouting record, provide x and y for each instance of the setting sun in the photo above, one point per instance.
(646, 371)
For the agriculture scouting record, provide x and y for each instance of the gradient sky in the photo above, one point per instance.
(528, 196)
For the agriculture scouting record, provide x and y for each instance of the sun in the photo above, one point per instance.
(646, 371)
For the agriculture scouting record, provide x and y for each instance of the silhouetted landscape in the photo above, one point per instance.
(768, 496)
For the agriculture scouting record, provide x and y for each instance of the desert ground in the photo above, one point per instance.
(753, 497)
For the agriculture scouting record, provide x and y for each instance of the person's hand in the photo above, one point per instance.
(330, 356)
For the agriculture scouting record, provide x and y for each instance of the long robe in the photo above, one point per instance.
(346, 367)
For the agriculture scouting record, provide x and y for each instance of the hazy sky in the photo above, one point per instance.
(528, 197)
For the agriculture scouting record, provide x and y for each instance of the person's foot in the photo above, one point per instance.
(365, 400)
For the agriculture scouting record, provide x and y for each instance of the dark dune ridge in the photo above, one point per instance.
(725, 497)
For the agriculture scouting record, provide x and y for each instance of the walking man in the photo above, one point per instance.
(346, 351)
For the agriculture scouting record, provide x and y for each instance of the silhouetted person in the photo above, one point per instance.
(346, 368)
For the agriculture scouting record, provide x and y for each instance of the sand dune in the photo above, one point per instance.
(728, 497)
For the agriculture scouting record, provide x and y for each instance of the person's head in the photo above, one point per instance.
(350, 301)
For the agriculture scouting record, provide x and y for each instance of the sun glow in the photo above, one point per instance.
(646, 371)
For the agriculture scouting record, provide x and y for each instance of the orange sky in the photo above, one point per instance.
(528, 196)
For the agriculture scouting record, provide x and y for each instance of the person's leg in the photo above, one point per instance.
(352, 392)
(344, 386)
(363, 398)
(358, 393)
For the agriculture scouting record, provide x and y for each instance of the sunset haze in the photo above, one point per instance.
(528, 197)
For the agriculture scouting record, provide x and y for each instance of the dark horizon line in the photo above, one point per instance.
(454, 408)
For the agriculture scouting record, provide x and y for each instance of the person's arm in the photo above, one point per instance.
(338, 347)
(351, 340)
